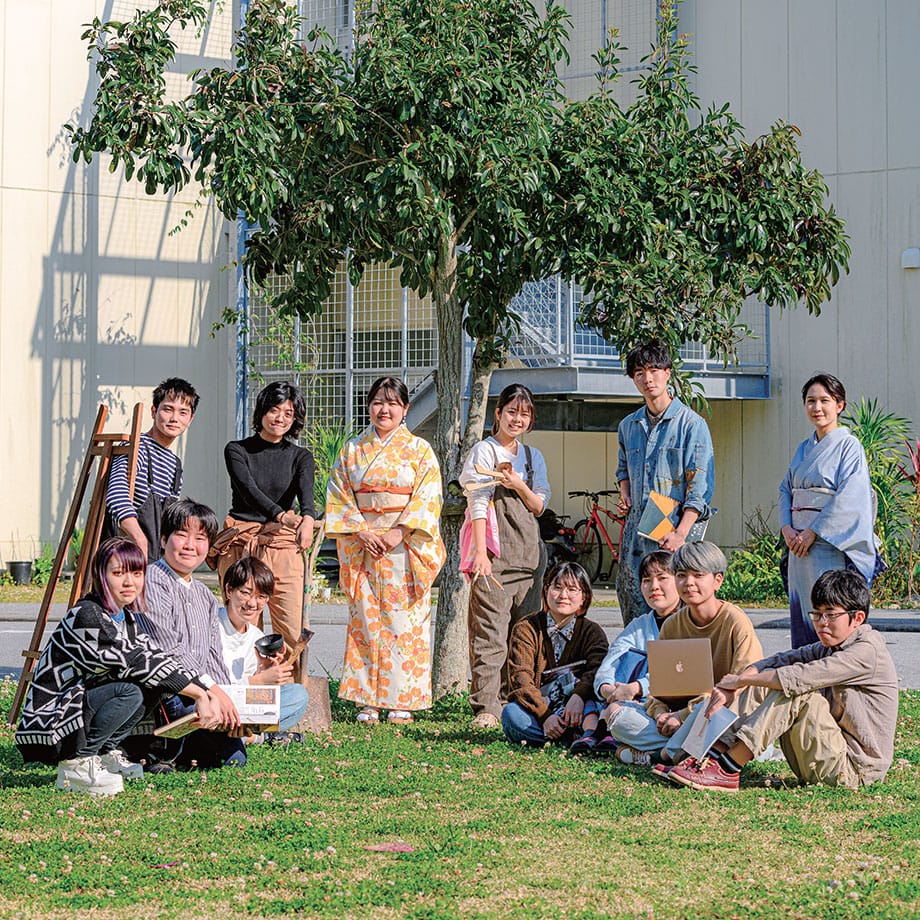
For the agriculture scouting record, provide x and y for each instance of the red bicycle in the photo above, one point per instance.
(591, 536)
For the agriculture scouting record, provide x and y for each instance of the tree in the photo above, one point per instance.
(442, 146)
(671, 219)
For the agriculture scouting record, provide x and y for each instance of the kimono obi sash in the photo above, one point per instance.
(386, 503)
(807, 504)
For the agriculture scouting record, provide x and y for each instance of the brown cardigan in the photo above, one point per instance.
(531, 653)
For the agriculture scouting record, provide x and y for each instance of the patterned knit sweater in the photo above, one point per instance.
(87, 649)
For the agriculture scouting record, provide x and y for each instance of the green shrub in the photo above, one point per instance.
(753, 570)
(326, 440)
(41, 567)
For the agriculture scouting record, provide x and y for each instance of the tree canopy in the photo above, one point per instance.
(441, 143)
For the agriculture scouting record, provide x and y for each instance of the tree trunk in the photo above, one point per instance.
(480, 375)
(450, 658)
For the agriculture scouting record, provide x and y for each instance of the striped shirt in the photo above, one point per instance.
(183, 618)
(156, 466)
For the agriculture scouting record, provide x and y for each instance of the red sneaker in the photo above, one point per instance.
(704, 774)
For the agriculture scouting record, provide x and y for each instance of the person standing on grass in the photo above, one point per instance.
(826, 504)
(383, 506)
(158, 475)
(96, 678)
(663, 447)
(654, 730)
(270, 474)
(832, 705)
(507, 579)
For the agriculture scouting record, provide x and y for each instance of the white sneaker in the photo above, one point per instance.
(115, 762)
(87, 774)
(632, 757)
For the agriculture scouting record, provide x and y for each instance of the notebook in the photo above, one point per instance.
(656, 521)
(679, 667)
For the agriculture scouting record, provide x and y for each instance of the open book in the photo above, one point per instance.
(559, 683)
(259, 708)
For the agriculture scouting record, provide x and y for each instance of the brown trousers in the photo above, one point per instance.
(493, 610)
(274, 545)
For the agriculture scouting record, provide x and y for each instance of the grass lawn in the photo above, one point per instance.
(33, 594)
(490, 831)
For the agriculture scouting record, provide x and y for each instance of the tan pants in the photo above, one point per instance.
(811, 740)
(492, 613)
(493, 610)
(286, 603)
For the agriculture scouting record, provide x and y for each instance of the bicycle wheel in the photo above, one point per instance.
(588, 548)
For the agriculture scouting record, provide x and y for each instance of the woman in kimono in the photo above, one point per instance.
(826, 506)
(383, 507)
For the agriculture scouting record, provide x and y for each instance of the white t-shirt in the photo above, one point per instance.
(239, 649)
(488, 454)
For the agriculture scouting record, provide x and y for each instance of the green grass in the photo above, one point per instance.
(495, 830)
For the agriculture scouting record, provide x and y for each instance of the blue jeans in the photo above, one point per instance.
(520, 725)
(110, 712)
(632, 725)
(294, 699)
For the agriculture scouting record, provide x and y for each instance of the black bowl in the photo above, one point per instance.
(270, 645)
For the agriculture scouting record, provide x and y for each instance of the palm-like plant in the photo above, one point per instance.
(326, 440)
(881, 434)
(911, 473)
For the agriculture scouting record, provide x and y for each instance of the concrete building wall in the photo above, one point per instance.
(99, 300)
(845, 73)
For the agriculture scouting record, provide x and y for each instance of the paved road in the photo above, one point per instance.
(901, 630)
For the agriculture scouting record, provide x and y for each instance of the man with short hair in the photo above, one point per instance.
(158, 476)
(656, 729)
(832, 705)
(183, 617)
(663, 447)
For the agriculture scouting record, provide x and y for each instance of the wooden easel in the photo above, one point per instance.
(106, 447)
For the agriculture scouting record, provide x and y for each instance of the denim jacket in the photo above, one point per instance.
(627, 657)
(676, 460)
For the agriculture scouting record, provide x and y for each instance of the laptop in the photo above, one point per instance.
(679, 667)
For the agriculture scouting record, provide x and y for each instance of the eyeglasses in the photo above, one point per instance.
(816, 616)
(565, 589)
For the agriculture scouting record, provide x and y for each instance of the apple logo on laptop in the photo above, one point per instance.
(679, 667)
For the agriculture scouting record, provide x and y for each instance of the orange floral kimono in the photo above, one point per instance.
(377, 485)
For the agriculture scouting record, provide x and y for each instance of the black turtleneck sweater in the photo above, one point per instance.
(266, 478)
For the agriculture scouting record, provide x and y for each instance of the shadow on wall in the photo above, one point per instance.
(125, 303)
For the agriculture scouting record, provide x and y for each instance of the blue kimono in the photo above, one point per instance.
(827, 489)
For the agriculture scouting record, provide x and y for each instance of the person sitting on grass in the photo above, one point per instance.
(96, 678)
(182, 617)
(832, 705)
(559, 635)
(623, 675)
(247, 586)
(655, 730)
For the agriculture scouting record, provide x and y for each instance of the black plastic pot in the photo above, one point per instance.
(20, 572)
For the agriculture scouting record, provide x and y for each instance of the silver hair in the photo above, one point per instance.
(699, 557)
